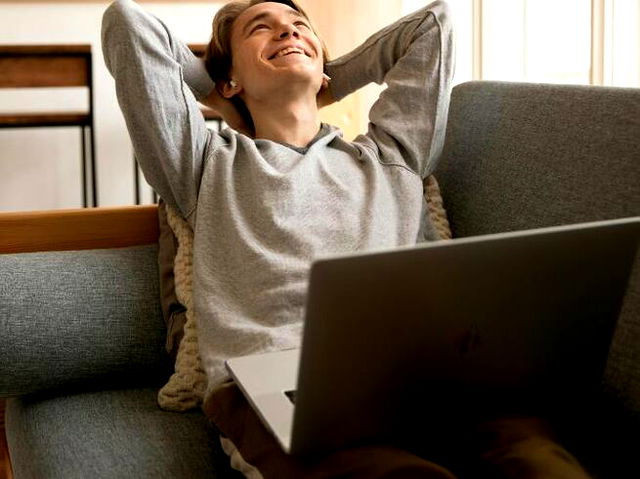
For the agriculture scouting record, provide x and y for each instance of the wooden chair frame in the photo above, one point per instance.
(33, 66)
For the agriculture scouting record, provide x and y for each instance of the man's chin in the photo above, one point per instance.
(296, 74)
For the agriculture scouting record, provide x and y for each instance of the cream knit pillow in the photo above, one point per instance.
(437, 213)
(186, 387)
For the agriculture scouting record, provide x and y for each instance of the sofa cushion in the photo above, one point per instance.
(110, 434)
(80, 318)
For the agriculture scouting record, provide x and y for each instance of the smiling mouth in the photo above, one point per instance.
(288, 51)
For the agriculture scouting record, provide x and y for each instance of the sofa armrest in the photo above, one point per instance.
(80, 318)
(78, 229)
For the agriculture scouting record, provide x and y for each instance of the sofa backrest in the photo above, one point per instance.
(520, 156)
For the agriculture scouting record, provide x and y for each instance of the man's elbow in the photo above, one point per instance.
(117, 26)
(119, 19)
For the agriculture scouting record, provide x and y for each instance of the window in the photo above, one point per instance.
(621, 63)
(553, 41)
(539, 41)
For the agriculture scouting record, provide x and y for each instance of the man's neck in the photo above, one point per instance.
(292, 121)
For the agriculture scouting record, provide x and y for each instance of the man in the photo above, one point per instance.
(280, 189)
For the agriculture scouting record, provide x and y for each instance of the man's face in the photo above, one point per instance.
(274, 46)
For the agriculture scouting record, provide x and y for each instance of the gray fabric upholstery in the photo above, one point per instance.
(520, 156)
(80, 317)
(110, 434)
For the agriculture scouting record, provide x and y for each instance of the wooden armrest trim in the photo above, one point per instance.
(88, 228)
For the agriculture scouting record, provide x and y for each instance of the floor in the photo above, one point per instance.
(5, 466)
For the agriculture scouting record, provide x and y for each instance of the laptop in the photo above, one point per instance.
(400, 340)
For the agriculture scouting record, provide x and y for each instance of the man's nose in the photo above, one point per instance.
(289, 31)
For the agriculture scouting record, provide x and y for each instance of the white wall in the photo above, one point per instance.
(40, 168)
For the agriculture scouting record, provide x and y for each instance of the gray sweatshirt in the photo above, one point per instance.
(263, 211)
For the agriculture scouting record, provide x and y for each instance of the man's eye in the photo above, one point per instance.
(301, 24)
(260, 26)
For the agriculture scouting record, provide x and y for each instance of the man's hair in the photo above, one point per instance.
(217, 57)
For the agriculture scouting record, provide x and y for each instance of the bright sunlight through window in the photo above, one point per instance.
(551, 41)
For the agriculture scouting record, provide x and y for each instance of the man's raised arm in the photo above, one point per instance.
(413, 56)
(158, 80)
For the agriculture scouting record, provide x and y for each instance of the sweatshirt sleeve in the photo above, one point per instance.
(158, 80)
(413, 56)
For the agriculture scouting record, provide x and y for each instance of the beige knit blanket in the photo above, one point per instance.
(186, 387)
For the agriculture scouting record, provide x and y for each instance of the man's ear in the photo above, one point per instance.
(230, 89)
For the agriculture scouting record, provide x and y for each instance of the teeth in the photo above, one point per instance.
(287, 51)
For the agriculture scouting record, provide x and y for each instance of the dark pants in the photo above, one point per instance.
(516, 447)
